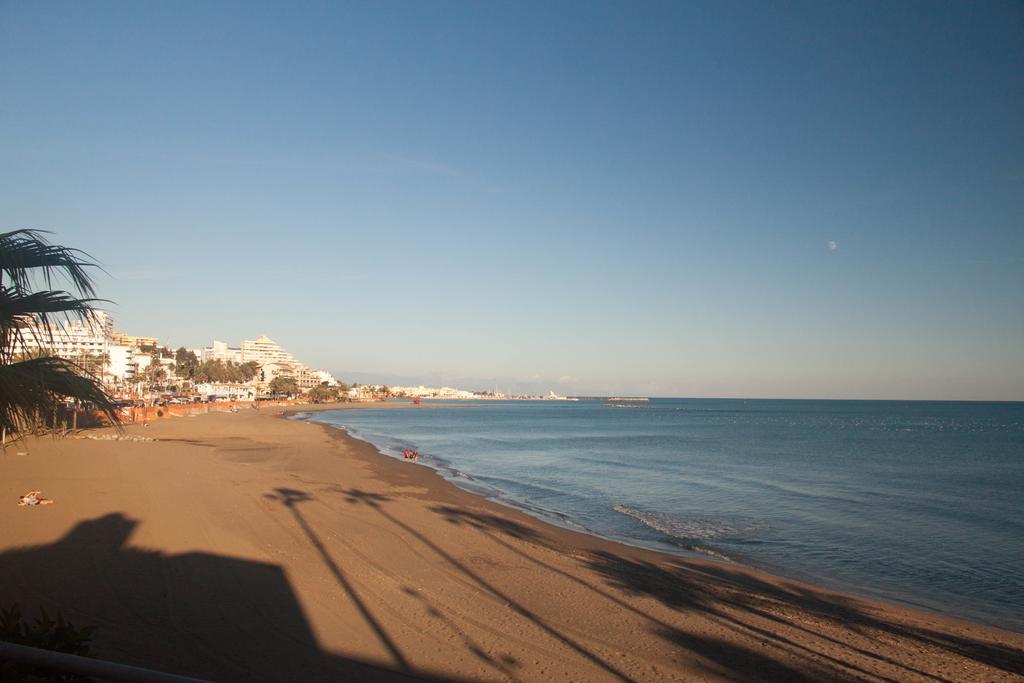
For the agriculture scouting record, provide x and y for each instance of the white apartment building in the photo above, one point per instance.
(122, 363)
(220, 351)
(227, 392)
(307, 378)
(141, 361)
(144, 360)
(265, 350)
(322, 377)
(268, 371)
(95, 338)
(273, 361)
(80, 341)
(74, 340)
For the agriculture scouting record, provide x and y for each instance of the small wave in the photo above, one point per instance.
(704, 550)
(688, 528)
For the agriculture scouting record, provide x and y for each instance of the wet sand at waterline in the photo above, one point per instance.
(251, 547)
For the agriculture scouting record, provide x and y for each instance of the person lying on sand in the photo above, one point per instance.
(34, 498)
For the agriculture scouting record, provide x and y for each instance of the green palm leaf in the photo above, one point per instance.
(37, 386)
(22, 252)
(28, 316)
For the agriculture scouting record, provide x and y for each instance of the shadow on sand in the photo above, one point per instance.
(195, 614)
(228, 619)
(750, 606)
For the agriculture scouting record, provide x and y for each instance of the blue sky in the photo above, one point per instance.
(696, 199)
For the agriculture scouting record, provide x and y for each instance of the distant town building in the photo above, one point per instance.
(91, 343)
(122, 339)
(221, 391)
(265, 350)
(220, 351)
(75, 340)
(122, 365)
(430, 392)
(268, 371)
(120, 359)
(142, 361)
(274, 361)
(307, 378)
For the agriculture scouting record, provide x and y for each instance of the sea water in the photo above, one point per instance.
(916, 502)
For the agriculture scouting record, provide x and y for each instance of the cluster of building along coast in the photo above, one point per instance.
(126, 363)
(122, 360)
(435, 392)
(449, 393)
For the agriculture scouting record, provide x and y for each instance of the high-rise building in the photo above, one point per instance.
(69, 339)
(91, 343)
(273, 361)
(265, 350)
(221, 351)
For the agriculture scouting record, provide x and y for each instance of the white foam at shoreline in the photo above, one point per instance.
(687, 528)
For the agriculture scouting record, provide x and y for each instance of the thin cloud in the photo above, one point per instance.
(424, 165)
(336, 277)
(405, 164)
(143, 275)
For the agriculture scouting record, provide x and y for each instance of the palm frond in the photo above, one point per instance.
(37, 383)
(24, 252)
(37, 386)
(14, 304)
(29, 316)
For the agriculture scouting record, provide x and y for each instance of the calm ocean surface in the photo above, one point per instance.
(917, 502)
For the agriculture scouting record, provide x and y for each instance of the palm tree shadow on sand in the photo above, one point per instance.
(729, 659)
(738, 601)
(196, 614)
(228, 619)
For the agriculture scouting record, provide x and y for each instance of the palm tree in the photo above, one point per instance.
(154, 374)
(36, 384)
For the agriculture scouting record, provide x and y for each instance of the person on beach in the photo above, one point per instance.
(33, 498)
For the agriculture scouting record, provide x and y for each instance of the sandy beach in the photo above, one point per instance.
(248, 546)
